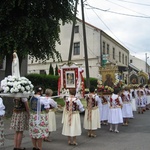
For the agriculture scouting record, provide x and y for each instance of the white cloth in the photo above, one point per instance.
(2, 107)
(115, 113)
(15, 66)
(94, 122)
(127, 107)
(75, 128)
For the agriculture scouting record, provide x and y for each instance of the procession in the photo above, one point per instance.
(34, 109)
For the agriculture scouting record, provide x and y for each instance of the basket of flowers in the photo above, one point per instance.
(16, 87)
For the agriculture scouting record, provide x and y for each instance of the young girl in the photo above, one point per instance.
(92, 118)
(51, 113)
(115, 113)
(127, 107)
(71, 120)
(141, 101)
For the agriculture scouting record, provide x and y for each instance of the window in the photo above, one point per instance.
(107, 48)
(76, 50)
(119, 56)
(113, 53)
(103, 47)
(76, 29)
(123, 58)
(126, 60)
(131, 61)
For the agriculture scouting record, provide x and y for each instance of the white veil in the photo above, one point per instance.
(15, 65)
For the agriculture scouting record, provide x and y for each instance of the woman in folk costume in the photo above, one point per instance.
(141, 88)
(51, 113)
(19, 120)
(38, 122)
(127, 107)
(141, 101)
(133, 99)
(115, 113)
(92, 115)
(147, 93)
(105, 109)
(2, 113)
(71, 121)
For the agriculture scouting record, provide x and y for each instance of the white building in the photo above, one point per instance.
(99, 45)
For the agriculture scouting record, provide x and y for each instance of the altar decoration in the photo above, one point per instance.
(13, 86)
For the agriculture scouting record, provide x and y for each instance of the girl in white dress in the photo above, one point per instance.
(115, 113)
(105, 109)
(141, 101)
(92, 115)
(71, 120)
(51, 113)
(127, 107)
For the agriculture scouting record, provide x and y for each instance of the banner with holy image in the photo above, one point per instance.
(70, 77)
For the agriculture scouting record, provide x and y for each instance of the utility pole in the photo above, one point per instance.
(85, 47)
(84, 39)
(72, 34)
(146, 61)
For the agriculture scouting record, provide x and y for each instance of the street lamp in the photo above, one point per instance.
(146, 61)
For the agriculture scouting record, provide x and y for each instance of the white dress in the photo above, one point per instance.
(105, 108)
(75, 128)
(115, 113)
(127, 107)
(93, 122)
(52, 116)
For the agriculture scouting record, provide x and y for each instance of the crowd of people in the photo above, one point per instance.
(37, 114)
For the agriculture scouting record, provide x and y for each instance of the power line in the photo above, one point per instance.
(92, 7)
(125, 7)
(134, 3)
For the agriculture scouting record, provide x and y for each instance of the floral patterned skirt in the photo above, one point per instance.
(19, 121)
(1, 131)
(38, 129)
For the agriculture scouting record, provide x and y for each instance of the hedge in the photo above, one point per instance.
(51, 81)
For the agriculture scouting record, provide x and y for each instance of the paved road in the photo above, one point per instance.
(136, 136)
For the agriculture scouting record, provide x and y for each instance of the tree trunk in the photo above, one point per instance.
(8, 65)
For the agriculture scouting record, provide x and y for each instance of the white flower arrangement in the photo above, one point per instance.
(13, 85)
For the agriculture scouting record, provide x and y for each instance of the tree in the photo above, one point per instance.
(32, 27)
(51, 69)
(56, 70)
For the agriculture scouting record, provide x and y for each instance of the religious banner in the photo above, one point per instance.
(70, 78)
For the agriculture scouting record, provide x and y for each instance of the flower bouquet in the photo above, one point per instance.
(16, 87)
(103, 90)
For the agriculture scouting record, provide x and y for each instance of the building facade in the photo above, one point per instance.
(100, 46)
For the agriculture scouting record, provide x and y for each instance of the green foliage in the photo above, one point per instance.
(93, 82)
(51, 69)
(56, 70)
(46, 81)
(32, 27)
(51, 81)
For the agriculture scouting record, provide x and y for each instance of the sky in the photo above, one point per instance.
(127, 21)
